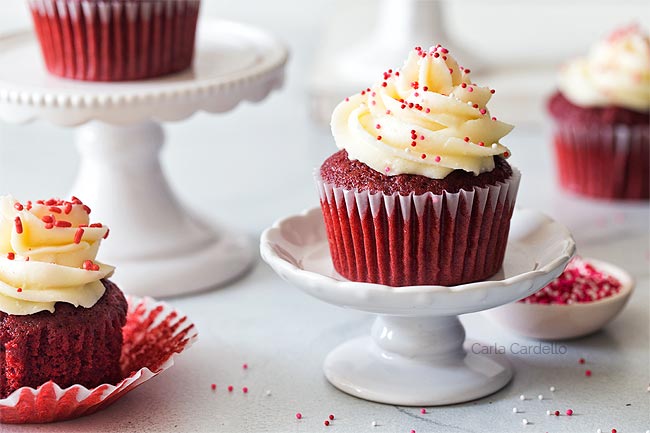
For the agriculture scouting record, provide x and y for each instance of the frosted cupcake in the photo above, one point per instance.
(420, 192)
(60, 318)
(602, 119)
(115, 40)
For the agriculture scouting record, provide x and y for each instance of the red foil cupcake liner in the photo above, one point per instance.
(602, 161)
(428, 239)
(154, 333)
(115, 40)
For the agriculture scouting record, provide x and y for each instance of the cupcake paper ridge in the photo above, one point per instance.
(426, 118)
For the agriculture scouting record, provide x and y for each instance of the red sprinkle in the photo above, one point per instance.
(213, 386)
(492, 91)
(87, 209)
(245, 366)
(19, 225)
(588, 373)
(580, 282)
(613, 430)
(326, 422)
(19, 289)
(78, 235)
(67, 208)
(557, 413)
(423, 411)
(581, 361)
(230, 388)
(107, 232)
(49, 226)
(11, 256)
(506, 154)
(18, 206)
(244, 390)
(331, 417)
(423, 156)
(95, 225)
(437, 159)
(379, 137)
(480, 143)
(87, 265)
(63, 224)
(378, 126)
(569, 412)
(298, 415)
(55, 209)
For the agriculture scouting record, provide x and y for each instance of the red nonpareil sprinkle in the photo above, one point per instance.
(423, 411)
(581, 361)
(379, 138)
(107, 232)
(244, 390)
(347, 99)
(331, 417)
(437, 159)
(421, 137)
(492, 91)
(494, 118)
(403, 106)
(230, 388)
(588, 373)
(11, 256)
(475, 105)
(412, 431)
(463, 85)
(482, 111)
(388, 112)
(87, 265)
(569, 412)
(466, 139)
(413, 143)
(326, 422)
(467, 71)
(19, 289)
(506, 154)
(78, 235)
(613, 430)
(55, 209)
(378, 126)
(63, 224)
(425, 88)
(67, 208)
(579, 283)
(245, 366)
(18, 206)
(451, 71)
(444, 51)
(423, 156)
(19, 225)
(428, 110)
(28, 206)
(557, 413)
(27, 258)
(298, 415)
(213, 386)
(384, 84)
(470, 89)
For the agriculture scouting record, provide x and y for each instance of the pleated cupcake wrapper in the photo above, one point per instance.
(604, 161)
(154, 333)
(115, 40)
(443, 239)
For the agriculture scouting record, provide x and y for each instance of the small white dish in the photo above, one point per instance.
(564, 321)
(416, 354)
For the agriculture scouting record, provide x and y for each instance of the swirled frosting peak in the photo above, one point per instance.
(616, 72)
(426, 118)
(47, 255)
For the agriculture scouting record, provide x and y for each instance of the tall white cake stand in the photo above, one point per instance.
(159, 248)
(417, 354)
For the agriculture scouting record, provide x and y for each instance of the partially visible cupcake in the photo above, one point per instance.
(602, 119)
(115, 40)
(420, 192)
(60, 318)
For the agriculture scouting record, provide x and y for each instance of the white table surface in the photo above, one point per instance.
(252, 166)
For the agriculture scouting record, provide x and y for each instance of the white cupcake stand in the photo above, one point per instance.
(417, 354)
(159, 248)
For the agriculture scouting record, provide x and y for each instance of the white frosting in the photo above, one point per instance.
(41, 266)
(616, 72)
(441, 108)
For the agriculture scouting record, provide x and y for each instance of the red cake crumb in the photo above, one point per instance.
(580, 282)
(70, 346)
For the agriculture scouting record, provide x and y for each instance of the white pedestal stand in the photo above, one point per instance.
(417, 354)
(159, 248)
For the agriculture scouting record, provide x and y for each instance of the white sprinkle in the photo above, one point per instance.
(268, 392)
(548, 412)
(522, 397)
(648, 389)
(514, 410)
(494, 145)
(540, 397)
(552, 389)
(374, 423)
(524, 421)
(599, 431)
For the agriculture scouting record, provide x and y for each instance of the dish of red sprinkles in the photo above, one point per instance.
(580, 282)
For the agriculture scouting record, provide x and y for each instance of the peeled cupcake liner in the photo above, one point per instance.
(604, 161)
(115, 40)
(428, 239)
(153, 335)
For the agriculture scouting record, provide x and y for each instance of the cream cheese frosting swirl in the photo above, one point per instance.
(616, 72)
(427, 119)
(47, 253)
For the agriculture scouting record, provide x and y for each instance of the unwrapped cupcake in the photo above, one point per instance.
(60, 318)
(420, 192)
(602, 119)
(115, 40)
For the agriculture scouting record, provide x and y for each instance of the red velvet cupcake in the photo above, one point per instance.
(602, 119)
(60, 319)
(420, 192)
(115, 40)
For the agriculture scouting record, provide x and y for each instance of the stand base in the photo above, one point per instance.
(227, 257)
(362, 369)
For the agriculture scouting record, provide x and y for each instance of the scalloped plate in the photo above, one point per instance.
(538, 251)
